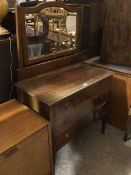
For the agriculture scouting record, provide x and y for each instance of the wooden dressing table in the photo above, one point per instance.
(68, 92)
(70, 97)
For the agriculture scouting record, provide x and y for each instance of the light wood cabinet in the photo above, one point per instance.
(25, 147)
(120, 93)
(120, 100)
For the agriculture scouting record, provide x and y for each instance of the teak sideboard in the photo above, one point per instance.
(25, 144)
(70, 97)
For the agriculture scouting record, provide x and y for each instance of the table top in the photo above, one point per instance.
(17, 122)
(96, 61)
(52, 87)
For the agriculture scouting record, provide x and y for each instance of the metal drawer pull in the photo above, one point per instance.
(67, 135)
(66, 121)
(66, 106)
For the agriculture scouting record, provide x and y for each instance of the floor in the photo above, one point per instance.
(91, 153)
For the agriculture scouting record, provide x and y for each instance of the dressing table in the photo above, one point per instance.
(57, 84)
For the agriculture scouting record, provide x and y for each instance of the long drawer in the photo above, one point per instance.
(69, 133)
(74, 120)
(69, 119)
(76, 100)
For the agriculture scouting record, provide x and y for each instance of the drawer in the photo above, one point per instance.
(69, 130)
(73, 118)
(64, 137)
(100, 89)
(72, 121)
(70, 118)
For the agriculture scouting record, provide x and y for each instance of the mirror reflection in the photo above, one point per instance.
(52, 30)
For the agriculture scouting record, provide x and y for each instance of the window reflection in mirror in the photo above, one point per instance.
(52, 30)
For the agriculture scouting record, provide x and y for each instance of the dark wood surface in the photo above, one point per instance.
(34, 70)
(23, 58)
(116, 44)
(70, 98)
(58, 85)
(96, 61)
(91, 36)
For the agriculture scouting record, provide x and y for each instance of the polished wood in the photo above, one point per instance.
(53, 87)
(116, 48)
(34, 70)
(91, 35)
(24, 133)
(21, 32)
(65, 96)
(97, 62)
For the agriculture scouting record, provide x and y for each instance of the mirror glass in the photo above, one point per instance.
(51, 30)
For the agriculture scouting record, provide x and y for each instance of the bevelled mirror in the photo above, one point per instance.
(48, 31)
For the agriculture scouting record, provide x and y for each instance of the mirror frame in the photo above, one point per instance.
(22, 42)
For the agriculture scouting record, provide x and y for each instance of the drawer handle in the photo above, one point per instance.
(10, 152)
(66, 106)
(67, 135)
(66, 121)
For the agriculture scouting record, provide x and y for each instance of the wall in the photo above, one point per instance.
(5, 73)
(94, 27)
(116, 44)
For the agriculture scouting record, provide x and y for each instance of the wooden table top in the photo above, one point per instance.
(57, 85)
(96, 61)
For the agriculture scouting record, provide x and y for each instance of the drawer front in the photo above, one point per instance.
(28, 157)
(66, 133)
(64, 137)
(71, 118)
(76, 100)
(72, 121)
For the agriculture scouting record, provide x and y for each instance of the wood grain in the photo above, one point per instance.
(17, 122)
(64, 94)
(120, 93)
(53, 87)
(30, 157)
(116, 45)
